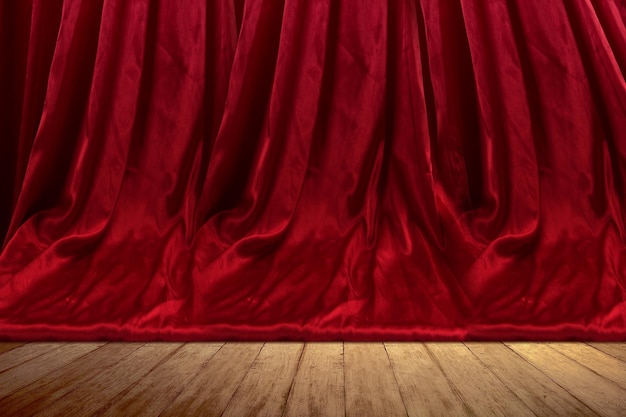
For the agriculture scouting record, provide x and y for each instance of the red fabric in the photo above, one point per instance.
(291, 169)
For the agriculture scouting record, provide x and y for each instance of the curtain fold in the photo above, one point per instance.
(319, 170)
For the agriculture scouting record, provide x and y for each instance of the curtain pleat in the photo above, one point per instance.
(319, 170)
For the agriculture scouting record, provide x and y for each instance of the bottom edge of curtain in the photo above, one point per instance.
(500, 332)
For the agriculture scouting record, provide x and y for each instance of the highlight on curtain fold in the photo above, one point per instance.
(314, 170)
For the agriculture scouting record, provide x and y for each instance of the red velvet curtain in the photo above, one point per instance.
(291, 169)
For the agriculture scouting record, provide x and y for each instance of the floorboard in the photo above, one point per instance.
(424, 387)
(599, 362)
(313, 379)
(212, 388)
(371, 387)
(265, 388)
(536, 390)
(318, 388)
(50, 388)
(18, 355)
(155, 391)
(96, 393)
(617, 350)
(599, 393)
(5, 347)
(36, 366)
(483, 392)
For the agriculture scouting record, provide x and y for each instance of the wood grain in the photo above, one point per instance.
(155, 391)
(6, 346)
(482, 391)
(371, 388)
(540, 393)
(53, 386)
(48, 361)
(265, 389)
(21, 354)
(424, 388)
(314, 379)
(96, 393)
(598, 393)
(209, 392)
(318, 388)
(617, 350)
(599, 362)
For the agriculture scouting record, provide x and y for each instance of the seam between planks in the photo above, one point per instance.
(18, 344)
(230, 400)
(200, 369)
(586, 367)
(129, 388)
(486, 366)
(30, 359)
(606, 353)
(395, 378)
(455, 390)
(39, 377)
(343, 365)
(94, 374)
(552, 379)
(293, 381)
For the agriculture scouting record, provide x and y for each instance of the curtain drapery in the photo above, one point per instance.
(319, 170)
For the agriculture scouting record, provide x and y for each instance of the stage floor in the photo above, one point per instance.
(317, 379)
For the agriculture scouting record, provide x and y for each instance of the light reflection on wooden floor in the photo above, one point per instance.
(316, 379)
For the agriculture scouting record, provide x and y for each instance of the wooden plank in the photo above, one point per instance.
(617, 350)
(155, 391)
(371, 388)
(95, 394)
(265, 389)
(599, 362)
(424, 388)
(28, 372)
(209, 392)
(541, 394)
(318, 385)
(598, 393)
(85, 379)
(19, 355)
(6, 346)
(480, 389)
(48, 389)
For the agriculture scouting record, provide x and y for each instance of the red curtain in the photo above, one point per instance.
(291, 169)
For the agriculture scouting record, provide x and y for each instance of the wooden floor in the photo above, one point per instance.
(317, 379)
